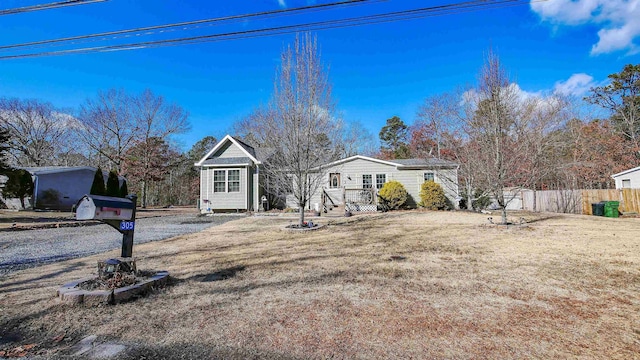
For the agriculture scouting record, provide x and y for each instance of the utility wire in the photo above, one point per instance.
(149, 29)
(47, 6)
(456, 8)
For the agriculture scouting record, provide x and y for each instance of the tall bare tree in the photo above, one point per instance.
(509, 131)
(109, 127)
(432, 121)
(114, 122)
(38, 131)
(298, 124)
(156, 120)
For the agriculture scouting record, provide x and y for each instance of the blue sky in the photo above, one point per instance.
(377, 71)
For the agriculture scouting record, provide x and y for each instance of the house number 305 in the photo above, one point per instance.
(127, 225)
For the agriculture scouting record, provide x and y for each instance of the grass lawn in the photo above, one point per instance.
(560, 286)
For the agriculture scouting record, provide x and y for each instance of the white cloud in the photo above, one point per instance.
(577, 85)
(282, 3)
(618, 20)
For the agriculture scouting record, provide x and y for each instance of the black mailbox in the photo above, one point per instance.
(119, 213)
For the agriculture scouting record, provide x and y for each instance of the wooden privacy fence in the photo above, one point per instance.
(579, 201)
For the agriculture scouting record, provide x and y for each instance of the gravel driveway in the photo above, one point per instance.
(30, 248)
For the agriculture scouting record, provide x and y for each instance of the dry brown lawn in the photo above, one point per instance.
(560, 286)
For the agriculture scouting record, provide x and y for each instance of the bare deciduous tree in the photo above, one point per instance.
(115, 121)
(509, 133)
(109, 127)
(298, 124)
(38, 131)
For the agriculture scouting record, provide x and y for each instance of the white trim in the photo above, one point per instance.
(625, 172)
(220, 144)
(246, 183)
(361, 157)
(226, 181)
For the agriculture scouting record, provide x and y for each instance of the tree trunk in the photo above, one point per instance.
(301, 220)
(469, 197)
(144, 194)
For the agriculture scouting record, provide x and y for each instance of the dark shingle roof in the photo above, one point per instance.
(248, 148)
(228, 161)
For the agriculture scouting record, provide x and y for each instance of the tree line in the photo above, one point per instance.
(130, 135)
(503, 138)
(500, 136)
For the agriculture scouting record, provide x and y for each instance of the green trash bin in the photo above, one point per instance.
(597, 209)
(611, 209)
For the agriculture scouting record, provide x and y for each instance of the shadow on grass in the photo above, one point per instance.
(218, 275)
(42, 277)
(542, 218)
(201, 351)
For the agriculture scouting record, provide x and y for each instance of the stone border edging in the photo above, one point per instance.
(69, 293)
(301, 230)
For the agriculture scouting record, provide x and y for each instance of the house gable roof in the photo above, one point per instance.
(245, 148)
(361, 157)
(399, 163)
(626, 172)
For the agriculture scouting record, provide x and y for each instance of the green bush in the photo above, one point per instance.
(432, 196)
(393, 195)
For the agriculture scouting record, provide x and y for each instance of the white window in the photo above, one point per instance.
(219, 181)
(233, 178)
(380, 180)
(626, 183)
(367, 181)
(334, 180)
(429, 176)
(226, 181)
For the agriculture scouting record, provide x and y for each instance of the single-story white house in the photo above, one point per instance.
(628, 179)
(230, 178)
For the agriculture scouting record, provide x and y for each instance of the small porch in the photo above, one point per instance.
(340, 200)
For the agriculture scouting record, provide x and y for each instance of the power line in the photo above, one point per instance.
(449, 9)
(47, 6)
(149, 29)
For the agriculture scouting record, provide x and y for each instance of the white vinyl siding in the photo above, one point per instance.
(229, 150)
(351, 174)
(234, 193)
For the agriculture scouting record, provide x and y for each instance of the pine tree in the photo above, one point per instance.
(19, 184)
(113, 184)
(123, 189)
(97, 188)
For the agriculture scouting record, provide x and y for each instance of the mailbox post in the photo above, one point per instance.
(118, 213)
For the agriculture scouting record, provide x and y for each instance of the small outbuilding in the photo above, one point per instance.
(60, 187)
(628, 179)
